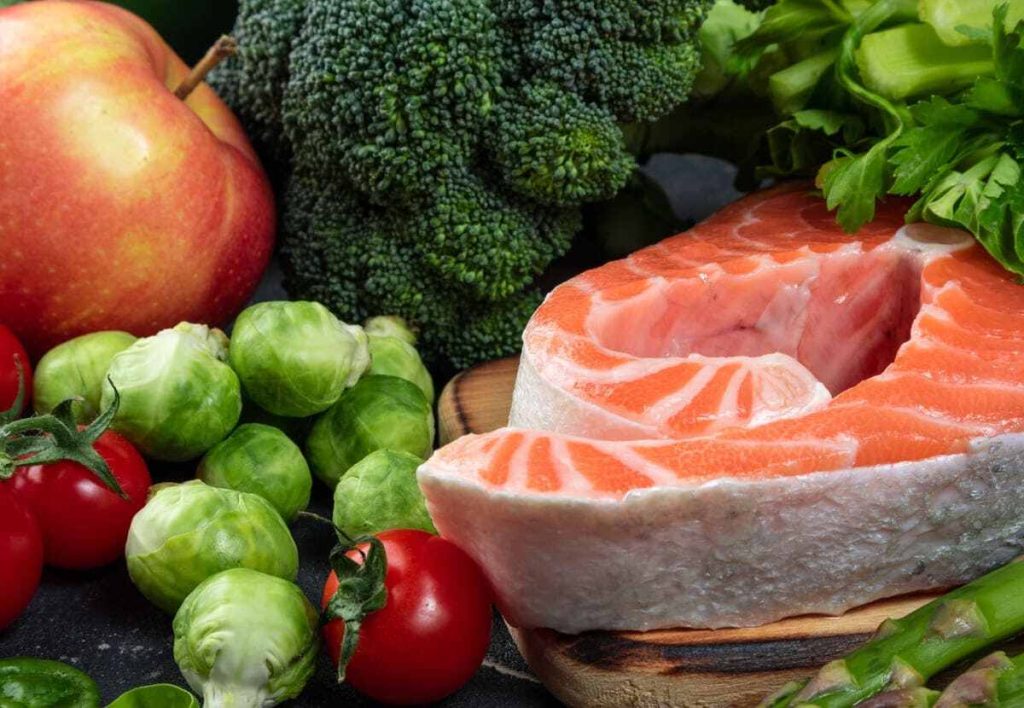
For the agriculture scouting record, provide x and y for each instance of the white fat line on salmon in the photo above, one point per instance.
(659, 475)
(632, 367)
(998, 361)
(573, 482)
(682, 396)
(519, 463)
(915, 410)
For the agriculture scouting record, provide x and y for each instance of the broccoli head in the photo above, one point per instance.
(435, 154)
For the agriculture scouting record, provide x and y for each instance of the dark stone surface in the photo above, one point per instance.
(98, 621)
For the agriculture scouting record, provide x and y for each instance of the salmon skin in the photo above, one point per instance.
(760, 418)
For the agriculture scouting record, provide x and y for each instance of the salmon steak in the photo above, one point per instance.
(759, 418)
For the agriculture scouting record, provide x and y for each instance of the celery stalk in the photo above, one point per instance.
(792, 87)
(945, 16)
(910, 60)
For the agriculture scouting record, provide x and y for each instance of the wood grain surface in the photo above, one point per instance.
(699, 668)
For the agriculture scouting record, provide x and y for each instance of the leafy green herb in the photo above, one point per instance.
(963, 155)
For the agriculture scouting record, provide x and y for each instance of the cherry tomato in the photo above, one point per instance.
(10, 348)
(21, 556)
(432, 635)
(84, 524)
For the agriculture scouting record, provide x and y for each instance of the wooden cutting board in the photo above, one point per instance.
(691, 668)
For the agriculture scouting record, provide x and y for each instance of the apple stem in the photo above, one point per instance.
(221, 50)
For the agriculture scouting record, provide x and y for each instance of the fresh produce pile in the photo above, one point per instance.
(217, 552)
(428, 163)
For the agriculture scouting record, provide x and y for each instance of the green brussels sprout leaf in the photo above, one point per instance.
(380, 492)
(178, 396)
(159, 695)
(42, 683)
(246, 639)
(296, 381)
(55, 436)
(390, 326)
(379, 412)
(361, 590)
(260, 459)
(78, 369)
(189, 532)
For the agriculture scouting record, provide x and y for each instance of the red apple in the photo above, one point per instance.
(121, 205)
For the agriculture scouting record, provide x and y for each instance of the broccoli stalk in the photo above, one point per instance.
(434, 156)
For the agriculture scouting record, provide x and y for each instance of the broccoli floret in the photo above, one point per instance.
(554, 147)
(256, 77)
(358, 257)
(395, 91)
(437, 153)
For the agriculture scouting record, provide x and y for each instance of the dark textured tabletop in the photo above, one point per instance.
(98, 622)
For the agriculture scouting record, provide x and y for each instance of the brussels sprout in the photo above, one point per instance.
(190, 531)
(390, 326)
(246, 639)
(391, 356)
(178, 397)
(77, 369)
(378, 413)
(295, 358)
(260, 460)
(379, 493)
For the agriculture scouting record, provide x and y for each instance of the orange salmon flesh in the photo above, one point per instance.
(751, 354)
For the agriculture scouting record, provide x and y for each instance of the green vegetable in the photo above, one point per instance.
(390, 326)
(394, 356)
(260, 460)
(994, 682)
(378, 413)
(880, 100)
(295, 428)
(435, 154)
(905, 653)
(909, 61)
(379, 493)
(188, 532)
(295, 358)
(160, 695)
(953, 18)
(245, 639)
(77, 369)
(178, 397)
(41, 683)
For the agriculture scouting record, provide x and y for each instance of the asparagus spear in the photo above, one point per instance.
(905, 653)
(994, 682)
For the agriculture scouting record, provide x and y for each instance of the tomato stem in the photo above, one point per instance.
(222, 49)
(361, 590)
(55, 436)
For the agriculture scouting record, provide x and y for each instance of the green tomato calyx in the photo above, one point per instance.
(361, 590)
(56, 436)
